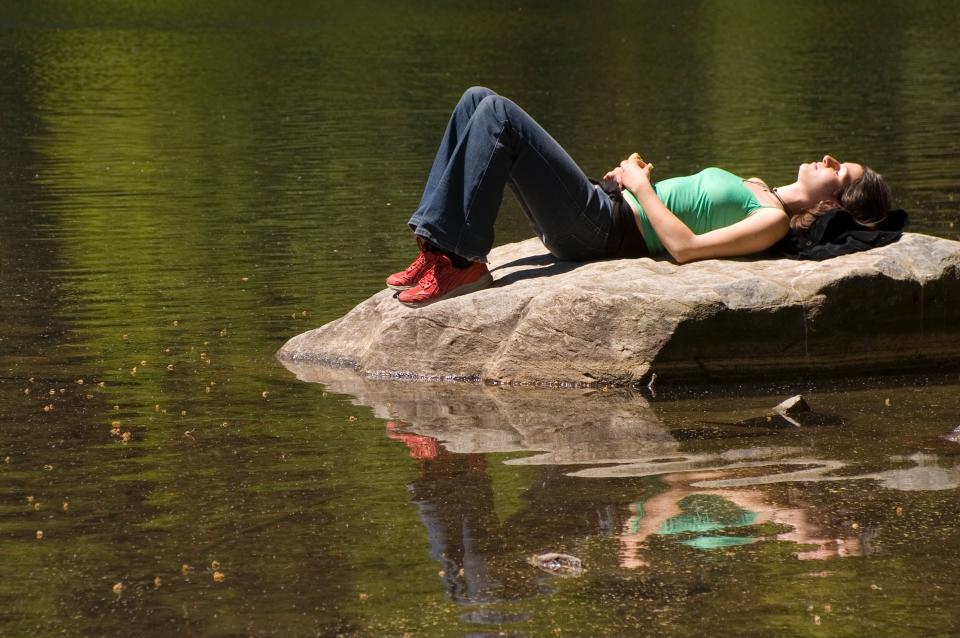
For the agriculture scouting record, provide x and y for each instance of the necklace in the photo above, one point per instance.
(772, 191)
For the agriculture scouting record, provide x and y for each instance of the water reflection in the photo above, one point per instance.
(563, 427)
(713, 519)
(704, 492)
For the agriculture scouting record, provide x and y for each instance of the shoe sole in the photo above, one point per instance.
(484, 282)
(392, 287)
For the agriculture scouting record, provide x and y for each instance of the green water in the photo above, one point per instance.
(187, 185)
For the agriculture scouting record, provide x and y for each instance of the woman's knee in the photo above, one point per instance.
(476, 94)
(495, 106)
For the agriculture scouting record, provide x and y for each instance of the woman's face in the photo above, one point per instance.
(826, 179)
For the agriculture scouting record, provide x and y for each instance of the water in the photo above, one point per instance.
(187, 185)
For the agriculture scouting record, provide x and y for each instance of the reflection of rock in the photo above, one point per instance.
(616, 321)
(925, 475)
(568, 426)
(954, 437)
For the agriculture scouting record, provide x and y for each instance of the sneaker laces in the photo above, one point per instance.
(429, 278)
(417, 263)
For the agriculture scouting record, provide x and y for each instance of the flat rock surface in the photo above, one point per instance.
(895, 308)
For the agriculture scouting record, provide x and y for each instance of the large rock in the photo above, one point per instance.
(895, 308)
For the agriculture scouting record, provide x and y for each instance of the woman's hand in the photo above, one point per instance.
(635, 173)
(614, 176)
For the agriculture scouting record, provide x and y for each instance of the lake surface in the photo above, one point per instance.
(187, 185)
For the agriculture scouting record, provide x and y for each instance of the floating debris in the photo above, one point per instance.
(218, 577)
(185, 569)
(157, 582)
(954, 437)
(563, 565)
(215, 565)
(264, 394)
(118, 588)
(39, 534)
(792, 406)
(66, 506)
(125, 437)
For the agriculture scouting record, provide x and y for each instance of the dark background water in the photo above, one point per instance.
(185, 185)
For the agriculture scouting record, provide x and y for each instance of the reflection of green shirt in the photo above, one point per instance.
(708, 200)
(706, 512)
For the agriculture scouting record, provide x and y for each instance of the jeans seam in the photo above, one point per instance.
(476, 186)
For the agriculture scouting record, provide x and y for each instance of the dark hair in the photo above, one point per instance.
(868, 200)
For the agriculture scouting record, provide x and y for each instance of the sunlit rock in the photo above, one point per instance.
(895, 308)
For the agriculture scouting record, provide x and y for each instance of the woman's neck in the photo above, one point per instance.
(795, 197)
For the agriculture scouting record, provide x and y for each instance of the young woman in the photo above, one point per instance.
(490, 142)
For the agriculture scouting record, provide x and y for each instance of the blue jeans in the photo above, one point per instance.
(491, 142)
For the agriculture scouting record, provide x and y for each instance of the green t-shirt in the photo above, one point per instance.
(708, 200)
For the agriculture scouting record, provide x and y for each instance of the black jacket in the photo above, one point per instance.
(838, 233)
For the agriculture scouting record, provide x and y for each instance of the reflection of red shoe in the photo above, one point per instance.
(422, 448)
(443, 281)
(408, 278)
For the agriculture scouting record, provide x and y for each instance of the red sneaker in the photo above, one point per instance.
(409, 277)
(443, 281)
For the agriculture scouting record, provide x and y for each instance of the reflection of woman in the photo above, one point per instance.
(683, 509)
(490, 142)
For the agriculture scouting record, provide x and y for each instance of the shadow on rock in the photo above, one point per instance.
(544, 265)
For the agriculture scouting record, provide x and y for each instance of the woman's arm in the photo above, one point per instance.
(754, 234)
